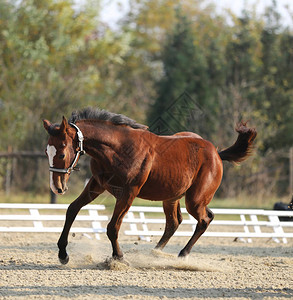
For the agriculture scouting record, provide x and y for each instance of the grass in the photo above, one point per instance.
(246, 202)
(109, 201)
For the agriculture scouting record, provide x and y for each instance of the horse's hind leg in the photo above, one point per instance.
(90, 192)
(197, 198)
(204, 217)
(173, 220)
(200, 194)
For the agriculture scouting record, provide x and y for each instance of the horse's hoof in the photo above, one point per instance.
(183, 254)
(65, 260)
(120, 259)
(116, 257)
(183, 258)
(124, 261)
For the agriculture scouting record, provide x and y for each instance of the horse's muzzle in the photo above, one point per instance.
(62, 191)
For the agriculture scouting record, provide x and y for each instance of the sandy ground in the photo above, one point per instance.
(217, 268)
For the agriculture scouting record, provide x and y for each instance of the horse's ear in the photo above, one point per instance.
(47, 124)
(64, 125)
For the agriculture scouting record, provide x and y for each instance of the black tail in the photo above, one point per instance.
(243, 146)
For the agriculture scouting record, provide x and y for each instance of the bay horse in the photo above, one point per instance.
(129, 161)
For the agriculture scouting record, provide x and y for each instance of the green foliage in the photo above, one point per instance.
(56, 57)
(185, 70)
(52, 62)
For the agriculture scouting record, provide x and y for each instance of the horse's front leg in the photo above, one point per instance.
(90, 192)
(121, 208)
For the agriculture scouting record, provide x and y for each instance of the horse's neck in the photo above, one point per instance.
(98, 133)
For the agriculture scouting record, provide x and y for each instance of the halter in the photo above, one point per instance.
(79, 152)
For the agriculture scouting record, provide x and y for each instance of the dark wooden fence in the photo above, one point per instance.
(11, 159)
(19, 154)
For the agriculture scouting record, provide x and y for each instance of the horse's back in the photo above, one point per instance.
(188, 134)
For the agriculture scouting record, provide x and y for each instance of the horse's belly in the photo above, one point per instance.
(159, 196)
(158, 190)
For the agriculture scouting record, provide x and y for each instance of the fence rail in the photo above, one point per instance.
(248, 222)
(33, 154)
(146, 222)
(37, 215)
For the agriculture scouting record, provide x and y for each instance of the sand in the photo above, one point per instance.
(217, 268)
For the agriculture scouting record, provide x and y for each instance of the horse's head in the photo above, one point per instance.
(63, 151)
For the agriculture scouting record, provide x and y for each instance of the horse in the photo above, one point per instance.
(129, 161)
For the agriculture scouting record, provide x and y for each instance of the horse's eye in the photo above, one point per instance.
(61, 156)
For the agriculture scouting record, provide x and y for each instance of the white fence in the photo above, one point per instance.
(146, 222)
(250, 223)
(44, 218)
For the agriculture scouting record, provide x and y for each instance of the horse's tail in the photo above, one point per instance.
(243, 146)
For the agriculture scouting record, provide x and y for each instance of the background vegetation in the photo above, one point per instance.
(56, 57)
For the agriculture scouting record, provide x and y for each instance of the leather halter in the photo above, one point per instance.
(79, 152)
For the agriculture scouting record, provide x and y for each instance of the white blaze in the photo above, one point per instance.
(51, 152)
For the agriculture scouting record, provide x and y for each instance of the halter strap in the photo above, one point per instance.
(79, 152)
(80, 138)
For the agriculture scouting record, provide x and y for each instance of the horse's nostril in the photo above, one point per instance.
(60, 191)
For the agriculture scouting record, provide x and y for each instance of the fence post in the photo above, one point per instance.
(53, 197)
(291, 171)
(8, 173)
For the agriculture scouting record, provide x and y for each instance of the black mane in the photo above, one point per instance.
(103, 115)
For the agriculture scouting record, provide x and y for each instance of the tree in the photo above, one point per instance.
(54, 59)
(185, 71)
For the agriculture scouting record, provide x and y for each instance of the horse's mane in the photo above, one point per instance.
(91, 113)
